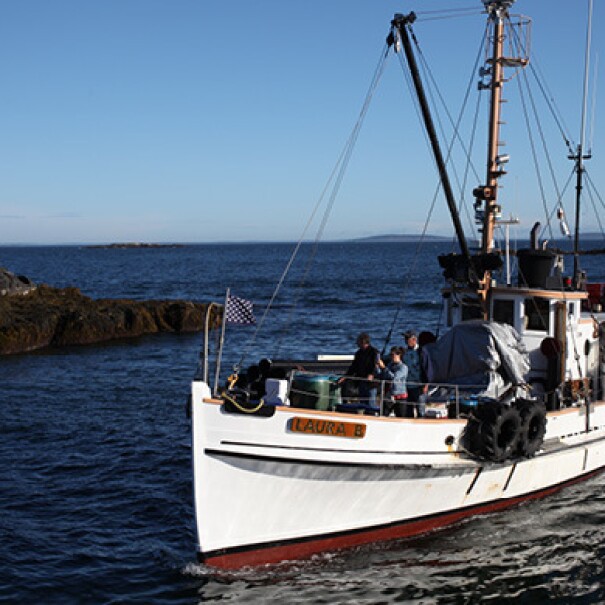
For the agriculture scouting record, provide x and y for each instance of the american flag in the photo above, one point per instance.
(239, 311)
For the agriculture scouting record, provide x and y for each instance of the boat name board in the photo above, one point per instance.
(314, 426)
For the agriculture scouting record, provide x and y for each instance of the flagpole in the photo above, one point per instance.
(205, 348)
(219, 355)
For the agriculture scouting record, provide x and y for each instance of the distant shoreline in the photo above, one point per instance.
(134, 245)
(393, 238)
(380, 239)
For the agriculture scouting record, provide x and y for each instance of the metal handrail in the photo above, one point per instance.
(460, 392)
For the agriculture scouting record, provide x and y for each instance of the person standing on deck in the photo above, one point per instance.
(395, 371)
(417, 387)
(364, 367)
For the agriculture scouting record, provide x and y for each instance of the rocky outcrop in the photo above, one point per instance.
(11, 284)
(51, 317)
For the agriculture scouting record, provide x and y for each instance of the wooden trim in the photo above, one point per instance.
(515, 292)
(558, 294)
(571, 410)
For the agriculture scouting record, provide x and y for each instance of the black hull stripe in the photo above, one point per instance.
(329, 450)
(547, 452)
(259, 457)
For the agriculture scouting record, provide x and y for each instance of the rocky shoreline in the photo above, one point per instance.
(34, 317)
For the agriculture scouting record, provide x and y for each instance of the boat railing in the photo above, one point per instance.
(352, 394)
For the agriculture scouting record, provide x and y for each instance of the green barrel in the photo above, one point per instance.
(314, 392)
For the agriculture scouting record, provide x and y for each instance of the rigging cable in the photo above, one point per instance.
(420, 242)
(550, 102)
(468, 166)
(535, 157)
(559, 202)
(339, 172)
(546, 152)
(558, 121)
(443, 11)
(591, 189)
(288, 266)
(454, 13)
(338, 168)
(455, 125)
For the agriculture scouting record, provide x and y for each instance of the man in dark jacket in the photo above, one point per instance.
(364, 367)
(417, 387)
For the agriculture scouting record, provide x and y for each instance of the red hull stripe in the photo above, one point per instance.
(302, 548)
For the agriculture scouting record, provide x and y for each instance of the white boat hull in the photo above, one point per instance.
(266, 493)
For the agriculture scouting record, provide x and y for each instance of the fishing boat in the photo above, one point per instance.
(287, 464)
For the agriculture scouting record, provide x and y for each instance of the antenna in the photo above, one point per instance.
(586, 70)
(593, 102)
(579, 156)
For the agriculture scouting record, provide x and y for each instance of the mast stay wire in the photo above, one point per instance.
(338, 168)
(420, 242)
(594, 206)
(549, 99)
(521, 82)
(559, 202)
(443, 11)
(545, 148)
(336, 178)
(564, 131)
(439, 121)
(535, 157)
(455, 125)
(289, 264)
(468, 166)
(593, 190)
(455, 13)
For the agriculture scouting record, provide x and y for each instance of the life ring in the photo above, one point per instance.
(533, 427)
(493, 431)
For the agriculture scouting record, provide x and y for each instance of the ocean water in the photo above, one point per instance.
(95, 478)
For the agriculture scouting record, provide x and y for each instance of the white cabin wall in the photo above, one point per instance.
(580, 361)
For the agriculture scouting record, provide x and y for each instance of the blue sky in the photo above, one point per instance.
(214, 120)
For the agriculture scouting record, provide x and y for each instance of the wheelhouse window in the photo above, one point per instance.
(471, 311)
(537, 314)
(504, 311)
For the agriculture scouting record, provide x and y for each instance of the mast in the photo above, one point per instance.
(486, 196)
(580, 156)
(474, 271)
(498, 10)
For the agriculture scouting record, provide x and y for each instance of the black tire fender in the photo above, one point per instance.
(533, 427)
(493, 433)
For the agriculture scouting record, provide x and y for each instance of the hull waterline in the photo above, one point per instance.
(267, 554)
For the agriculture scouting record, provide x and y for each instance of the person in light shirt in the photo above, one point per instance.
(396, 373)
